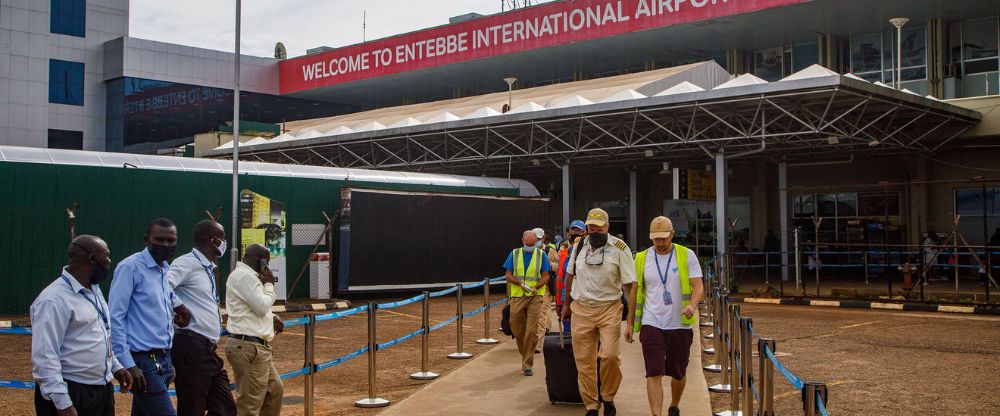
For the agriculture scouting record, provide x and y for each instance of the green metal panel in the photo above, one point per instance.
(117, 204)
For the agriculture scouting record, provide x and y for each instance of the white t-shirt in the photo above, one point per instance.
(655, 311)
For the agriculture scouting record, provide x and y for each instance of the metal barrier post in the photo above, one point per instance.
(425, 342)
(711, 297)
(717, 301)
(765, 382)
(888, 274)
(459, 354)
(747, 364)
(371, 400)
(798, 263)
(310, 363)
(486, 339)
(866, 268)
(989, 273)
(809, 400)
(726, 366)
(734, 355)
(767, 267)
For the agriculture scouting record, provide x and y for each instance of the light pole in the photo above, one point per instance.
(233, 236)
(899, 22)
(510, 92)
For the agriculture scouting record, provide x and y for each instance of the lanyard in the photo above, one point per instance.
(664, 273)
(211, 280)
(93, 302)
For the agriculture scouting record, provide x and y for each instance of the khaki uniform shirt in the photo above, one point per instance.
(598, 275)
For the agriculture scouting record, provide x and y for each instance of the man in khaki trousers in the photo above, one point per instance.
(249, 296)
(527, 273)
(546, 316)
(594, 285)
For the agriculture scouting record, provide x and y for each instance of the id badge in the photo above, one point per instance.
(668, 299)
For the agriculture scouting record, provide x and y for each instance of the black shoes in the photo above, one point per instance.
(673, 411)
(592, 412)
(609, 409)
(528, 372)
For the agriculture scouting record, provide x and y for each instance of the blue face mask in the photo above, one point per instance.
(529, 249)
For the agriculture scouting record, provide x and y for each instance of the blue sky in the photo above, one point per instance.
(299, 24)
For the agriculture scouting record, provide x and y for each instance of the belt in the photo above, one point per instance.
(154, 351)
(192, 334)
(248, 338)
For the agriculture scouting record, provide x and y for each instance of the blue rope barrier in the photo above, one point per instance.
(791, 377)
(498, 303)
(291, 374)
(16, 330)
(296, 322)
(498, 279)
(473, 285)
(444, 292)
(404, 302)
(821, 406)
(404, 338)
(343, 359)
(341, 314)
(16, 384)
(443, 323)
(753, 389)
(474, 313)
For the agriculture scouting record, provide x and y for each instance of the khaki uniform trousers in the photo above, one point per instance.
(524, 313)
(258, 387)
(589, 325)
(545, 319)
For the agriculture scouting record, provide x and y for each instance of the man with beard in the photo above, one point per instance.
(142, 306)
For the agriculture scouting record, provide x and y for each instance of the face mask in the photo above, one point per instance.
(598, 240)
(161, 253)
(538, 244)
(99, 274)
(529, 249)
(222, 247)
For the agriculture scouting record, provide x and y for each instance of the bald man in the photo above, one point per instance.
(249, 296)
(71, 355)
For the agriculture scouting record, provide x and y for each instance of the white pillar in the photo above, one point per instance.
(633, 210)
(783, 216)
(567, 196)
(721, 213)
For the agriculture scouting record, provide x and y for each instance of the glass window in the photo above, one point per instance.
(769, 63)
(874, 204)
(847, 205)
(65, 82)
(804, 55)
(68, 17)
(979, 38)
(969, 204)
(826, 205)
(866, 54)
(65, 139)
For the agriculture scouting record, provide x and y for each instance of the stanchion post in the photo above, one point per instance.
(717, 301)
(459, 354)
(767, 268)
(765, 383)
(425, 342)
(734, 357)
(372, 400)
(746, 339)
(866, 268)
(798, 263)
(310, 363)
(487, 339)
(989, 273)
(810, 391)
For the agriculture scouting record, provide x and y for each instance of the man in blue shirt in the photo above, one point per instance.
(527, 275)
(72, 361)
(142, 308)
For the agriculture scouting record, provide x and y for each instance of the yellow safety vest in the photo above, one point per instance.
(682, 271)
(531, 275)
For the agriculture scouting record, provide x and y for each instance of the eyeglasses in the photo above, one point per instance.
(592, 259)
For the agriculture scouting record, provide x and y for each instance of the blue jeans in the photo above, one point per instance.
(154, 401)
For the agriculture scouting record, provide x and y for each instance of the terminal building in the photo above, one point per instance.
(787, 109)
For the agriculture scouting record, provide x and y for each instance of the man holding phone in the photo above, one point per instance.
(249, 297)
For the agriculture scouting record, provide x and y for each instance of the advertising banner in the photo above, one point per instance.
(263, 222)
(549, 24)
(693, 184)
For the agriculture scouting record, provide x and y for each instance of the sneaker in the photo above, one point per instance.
(673, 411)
(528, 372)
(609, 409)
(592, 412)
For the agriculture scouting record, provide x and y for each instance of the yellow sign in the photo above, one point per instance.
(694, 184)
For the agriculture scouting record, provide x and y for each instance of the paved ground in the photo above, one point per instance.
(883, 363)
(492, 385)
(851, 284)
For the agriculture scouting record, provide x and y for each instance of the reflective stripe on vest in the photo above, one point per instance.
(683, 273)
(531, 275)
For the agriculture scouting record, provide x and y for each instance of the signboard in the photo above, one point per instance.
(263, 222)
(549, 24)
(693, 184)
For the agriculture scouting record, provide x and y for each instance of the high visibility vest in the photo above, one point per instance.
(529, 275)
(682, 270)
(560, 274)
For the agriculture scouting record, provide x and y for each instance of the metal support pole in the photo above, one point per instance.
(798, 262)
(816, 260)
(718, 299)
(486, 339)
(866, 268)
(567, 195)
(810, 391)
(724, 354)
(235, 251)
(371, 400)
(989, 272)
(425, 342)
(767, 267)
(765, 383)
(310, 363)
(746, 362)
(459, 354)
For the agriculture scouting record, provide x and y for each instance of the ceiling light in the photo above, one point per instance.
(833, 140)
(666, 169)
(874, 143)
(649, 153)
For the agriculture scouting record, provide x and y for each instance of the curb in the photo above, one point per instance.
(864, 304)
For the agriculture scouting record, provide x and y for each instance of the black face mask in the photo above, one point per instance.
(99, 274)
(161, 253)
(598, 240)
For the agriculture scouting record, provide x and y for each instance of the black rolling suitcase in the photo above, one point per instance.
(560, 368)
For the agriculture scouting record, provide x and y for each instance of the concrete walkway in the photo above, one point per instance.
(491, 384)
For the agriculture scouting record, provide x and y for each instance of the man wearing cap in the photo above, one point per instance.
(546, 316)
(574, 232)
(661, 309)
(527, 275)
(594, 282)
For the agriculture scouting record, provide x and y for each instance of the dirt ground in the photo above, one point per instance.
(882, 363)
(336, 388)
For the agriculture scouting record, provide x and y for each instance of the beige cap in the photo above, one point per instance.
(598, 217)
(661, 227)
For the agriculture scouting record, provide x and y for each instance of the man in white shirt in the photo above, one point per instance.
(202, 382)
(249, 296)
(661, 309)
